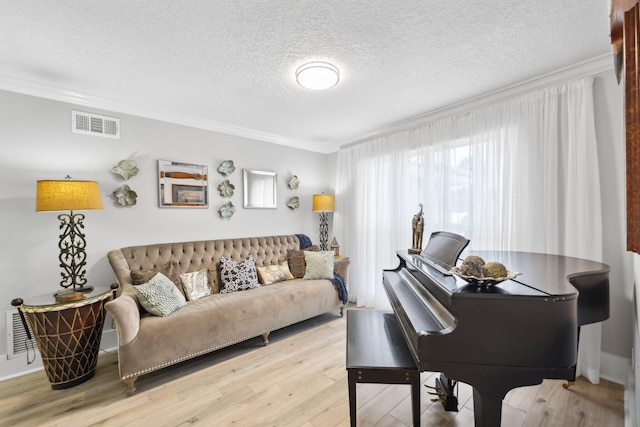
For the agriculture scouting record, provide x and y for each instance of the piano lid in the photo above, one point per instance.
(548, 273)
(454, 285)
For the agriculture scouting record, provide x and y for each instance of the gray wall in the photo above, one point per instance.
(37, 143)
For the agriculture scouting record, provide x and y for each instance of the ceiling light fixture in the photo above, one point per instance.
(317, 75)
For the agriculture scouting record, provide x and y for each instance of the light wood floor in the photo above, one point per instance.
(299, 379)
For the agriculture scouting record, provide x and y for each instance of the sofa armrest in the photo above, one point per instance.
(126, 314)
(341, 266)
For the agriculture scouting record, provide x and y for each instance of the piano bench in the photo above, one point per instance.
(377, 353)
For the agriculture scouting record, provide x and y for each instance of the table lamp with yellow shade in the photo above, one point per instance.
(323, 203)
(70, 195)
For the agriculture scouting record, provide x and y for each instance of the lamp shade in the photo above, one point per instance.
(323, 203)
(67, 195)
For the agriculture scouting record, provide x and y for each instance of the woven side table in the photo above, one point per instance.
(68, 335)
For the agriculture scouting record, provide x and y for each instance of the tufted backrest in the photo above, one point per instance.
(198, 255)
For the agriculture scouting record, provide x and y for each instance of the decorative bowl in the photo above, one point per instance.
(294, 182)
(226, 168)
(483, 281)
(126, 169)
(226, 188)
(227, 210)
(125, 196)
(294, 202)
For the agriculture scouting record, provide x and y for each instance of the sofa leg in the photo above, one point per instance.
(342, 311)
(265, 338)
(131, 388)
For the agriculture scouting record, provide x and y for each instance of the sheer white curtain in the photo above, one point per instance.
(516, 175)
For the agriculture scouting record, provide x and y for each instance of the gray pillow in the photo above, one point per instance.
(160, 296)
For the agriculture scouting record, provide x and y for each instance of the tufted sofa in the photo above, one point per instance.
(148, 343)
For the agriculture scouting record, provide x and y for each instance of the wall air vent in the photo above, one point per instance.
(93, 124)
(18, 344)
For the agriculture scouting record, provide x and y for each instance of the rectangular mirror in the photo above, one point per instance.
(260, 189)
(182, 185)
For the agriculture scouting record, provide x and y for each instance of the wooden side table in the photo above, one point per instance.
(68, 334)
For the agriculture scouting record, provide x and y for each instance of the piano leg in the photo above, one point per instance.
(490, 385)
(487, 408)
(570, 381)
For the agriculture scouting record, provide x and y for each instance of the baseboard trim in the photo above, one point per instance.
(614, 368)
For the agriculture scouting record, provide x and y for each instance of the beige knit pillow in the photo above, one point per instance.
(319, 265)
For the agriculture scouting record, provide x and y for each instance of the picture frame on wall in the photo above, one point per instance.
(182, 185)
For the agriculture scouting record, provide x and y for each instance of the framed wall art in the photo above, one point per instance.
(182, 185)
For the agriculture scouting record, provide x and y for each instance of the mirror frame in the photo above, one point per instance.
(187, 188)
(260, 189)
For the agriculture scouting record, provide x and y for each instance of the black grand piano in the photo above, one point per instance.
(496, 338)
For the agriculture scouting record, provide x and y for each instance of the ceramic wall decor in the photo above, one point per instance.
(294, 202)
(126, 169)
(125, 196)
(226, 168)
(294, 182)
(227, 210)
(226, 188)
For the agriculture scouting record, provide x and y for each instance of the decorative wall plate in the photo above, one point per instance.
(126, 169)
(227, 210)
(226, 188)
(294, 202)
(226, 168)
(125, 196)
(294, 182)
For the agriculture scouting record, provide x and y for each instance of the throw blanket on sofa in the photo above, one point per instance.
(341, 288)
(338, 281)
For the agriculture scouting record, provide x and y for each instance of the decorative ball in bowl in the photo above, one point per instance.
(475, 271)
(483, 281)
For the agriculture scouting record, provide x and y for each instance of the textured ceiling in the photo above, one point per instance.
(229, 65)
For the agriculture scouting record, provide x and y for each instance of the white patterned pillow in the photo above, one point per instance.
(238, 276)
(319, 265)
(160, 296)
(195, 284)
(274, 273)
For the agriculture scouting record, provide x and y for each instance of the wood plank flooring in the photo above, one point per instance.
(299, 379)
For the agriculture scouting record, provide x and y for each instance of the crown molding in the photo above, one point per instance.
(56, 93)
(29, 87)
(583, 69)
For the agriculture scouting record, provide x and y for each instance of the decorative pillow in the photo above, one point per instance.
(295, 259)
(319, 265)
(160, 296)
(269, 274)
(238, 276)
(170, 270)
(195, 284)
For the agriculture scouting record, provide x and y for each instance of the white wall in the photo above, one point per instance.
(37, 143)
